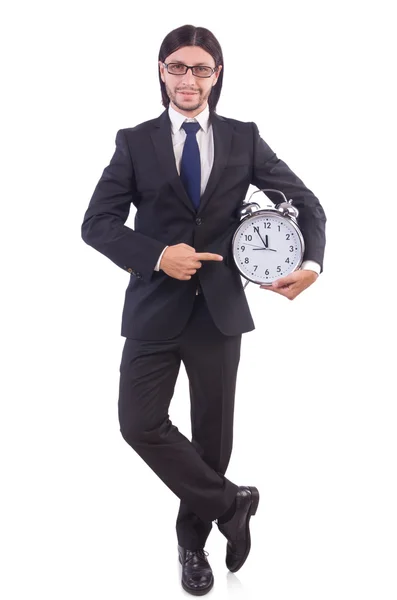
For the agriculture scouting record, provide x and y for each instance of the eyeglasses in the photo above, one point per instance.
(197, 70)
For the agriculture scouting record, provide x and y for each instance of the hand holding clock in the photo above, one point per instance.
(293, 284)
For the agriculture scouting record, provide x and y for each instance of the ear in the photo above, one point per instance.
(161, 67)
(217, 73)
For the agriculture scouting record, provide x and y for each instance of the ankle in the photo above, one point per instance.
(228, 514)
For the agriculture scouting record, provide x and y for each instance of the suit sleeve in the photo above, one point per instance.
(271, 172)
(103, 224)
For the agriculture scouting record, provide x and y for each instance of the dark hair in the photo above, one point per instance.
(188, 35)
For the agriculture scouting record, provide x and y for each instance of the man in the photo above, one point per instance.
(187, 172)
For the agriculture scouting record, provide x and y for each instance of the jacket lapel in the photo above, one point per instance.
(162, 141)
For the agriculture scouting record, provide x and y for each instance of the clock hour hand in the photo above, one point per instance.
(265, 243)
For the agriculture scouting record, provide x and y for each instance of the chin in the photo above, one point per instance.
(188, 105)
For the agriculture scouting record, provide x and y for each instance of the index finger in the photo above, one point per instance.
(207, 256)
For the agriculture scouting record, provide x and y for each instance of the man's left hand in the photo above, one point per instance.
(293, 284)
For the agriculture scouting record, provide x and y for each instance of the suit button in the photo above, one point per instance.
(199, 221)
(129, 270)
(139, 275)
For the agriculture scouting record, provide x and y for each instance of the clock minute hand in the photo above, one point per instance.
(265, 244)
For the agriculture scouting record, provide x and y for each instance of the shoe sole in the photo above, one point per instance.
(196, 592)
(252, 510)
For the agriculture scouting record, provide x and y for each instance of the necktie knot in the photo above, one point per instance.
(191, 128)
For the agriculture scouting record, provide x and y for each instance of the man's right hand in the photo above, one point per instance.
(182, 261)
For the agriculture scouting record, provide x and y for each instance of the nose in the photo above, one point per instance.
(188, 78)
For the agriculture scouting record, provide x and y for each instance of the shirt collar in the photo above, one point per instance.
(177, 119)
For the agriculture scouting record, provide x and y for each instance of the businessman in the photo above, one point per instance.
(187, 172)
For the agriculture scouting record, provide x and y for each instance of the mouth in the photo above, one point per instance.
(187, 94)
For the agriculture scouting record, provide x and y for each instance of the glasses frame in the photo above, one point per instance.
(213, 70)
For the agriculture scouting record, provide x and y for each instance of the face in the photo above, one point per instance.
(189, 94)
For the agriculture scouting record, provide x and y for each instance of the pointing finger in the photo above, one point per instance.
(207, 256)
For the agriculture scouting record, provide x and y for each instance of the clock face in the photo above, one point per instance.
(267, 246)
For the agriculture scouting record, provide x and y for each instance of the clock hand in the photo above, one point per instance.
(262, 239)
(270, 249)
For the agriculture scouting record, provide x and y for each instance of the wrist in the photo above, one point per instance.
(311, 265)
(161, 257)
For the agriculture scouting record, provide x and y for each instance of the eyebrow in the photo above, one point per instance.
(203, 64)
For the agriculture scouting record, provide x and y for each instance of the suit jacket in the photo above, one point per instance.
(142, 171)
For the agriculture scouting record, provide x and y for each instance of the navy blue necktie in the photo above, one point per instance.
(190, 163)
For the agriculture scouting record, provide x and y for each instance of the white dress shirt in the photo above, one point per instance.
(205, 140)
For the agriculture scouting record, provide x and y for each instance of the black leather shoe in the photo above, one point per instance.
(236, 530)
(197, 577)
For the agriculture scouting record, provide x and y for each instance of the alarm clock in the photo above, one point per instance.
(268, 243)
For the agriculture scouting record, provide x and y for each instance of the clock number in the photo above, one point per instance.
(287, 236)
(267, 272)
(243, 248)
(267, 225)
(278, 269)
(291, 248)
(247, 260)
(279, 228)
(287, 260)
(255, 267)
(248, 238)
(256, 229)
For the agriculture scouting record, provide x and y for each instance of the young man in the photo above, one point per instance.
(187, 172)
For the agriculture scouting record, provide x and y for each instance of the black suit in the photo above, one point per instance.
(163, 319)
(143, 171)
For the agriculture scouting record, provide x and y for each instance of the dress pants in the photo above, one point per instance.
(194, 470)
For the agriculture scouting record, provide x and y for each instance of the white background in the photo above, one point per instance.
(82, 516)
